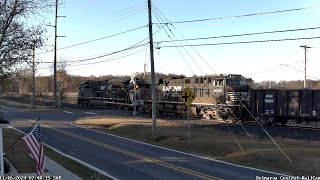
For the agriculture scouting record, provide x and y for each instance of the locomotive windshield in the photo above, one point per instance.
(232, 82)
(236, 80)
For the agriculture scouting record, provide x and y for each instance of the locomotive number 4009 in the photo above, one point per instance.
(217, 90)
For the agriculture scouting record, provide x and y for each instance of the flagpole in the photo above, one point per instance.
(22, 135)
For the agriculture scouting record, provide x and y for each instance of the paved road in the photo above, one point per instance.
(123, 158)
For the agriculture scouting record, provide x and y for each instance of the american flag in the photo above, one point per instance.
(34, 143)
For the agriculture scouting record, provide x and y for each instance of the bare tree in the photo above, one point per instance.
(16, 38)
(21, 80)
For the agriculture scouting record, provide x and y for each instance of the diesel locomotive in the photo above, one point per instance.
(221, 96)
(216, 96)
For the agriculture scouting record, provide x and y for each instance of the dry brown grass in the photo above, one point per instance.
(22, 106)
(114, 122)
(18, 154)
(217, 144)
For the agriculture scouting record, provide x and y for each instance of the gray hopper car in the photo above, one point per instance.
(278, 106)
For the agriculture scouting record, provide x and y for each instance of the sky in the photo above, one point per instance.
(88, 20)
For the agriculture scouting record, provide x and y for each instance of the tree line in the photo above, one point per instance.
(294, 84)
(20, 82)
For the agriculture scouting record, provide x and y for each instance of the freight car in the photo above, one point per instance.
(278, 106)
(215, 95)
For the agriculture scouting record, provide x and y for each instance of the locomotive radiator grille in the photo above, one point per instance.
(236, 96)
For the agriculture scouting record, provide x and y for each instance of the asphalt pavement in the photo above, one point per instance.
(123, 158)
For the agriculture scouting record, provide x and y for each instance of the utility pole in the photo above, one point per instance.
(305, 65)
(33, 78)
(55, 57)
(153, 83)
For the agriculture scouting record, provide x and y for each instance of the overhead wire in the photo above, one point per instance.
(259, 72)
(158, 16)
(130, 15)
(106, 60)
(115, 58)
(238, 143)
(128, 8)
(266, 132)
(244, 42)
(176, 48)
(245, 34)
(136, 45)
(245, 15)
(98, 39)
(185, 40)
(286, 65)
(144, 5)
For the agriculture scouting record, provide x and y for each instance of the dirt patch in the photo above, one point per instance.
(115, 122)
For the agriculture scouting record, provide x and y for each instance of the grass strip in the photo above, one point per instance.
(73, 166)
(210, 142)
(18, 156)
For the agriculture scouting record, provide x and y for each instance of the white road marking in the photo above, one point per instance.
(75, 159)
(207, 158)
(69, 112)
(11, 108)
(90, 113)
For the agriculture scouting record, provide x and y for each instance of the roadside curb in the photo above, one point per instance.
(189, 154)
(75, 159)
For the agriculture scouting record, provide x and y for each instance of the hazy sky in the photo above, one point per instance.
(92, 19)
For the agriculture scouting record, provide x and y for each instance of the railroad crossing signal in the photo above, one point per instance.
(187, 96)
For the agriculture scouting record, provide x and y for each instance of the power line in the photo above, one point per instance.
(286, 65)
(186, 40)
(268, 70)
(104, 55)
(176, 48)
(131, 11)
(244, 15)
(130, 15)
(136, 45)
(245, 34)
(158, 16)
(245, 42)
(98, 39)
(281, 67)
(108, 54)
(111, 59)
(128, 8)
